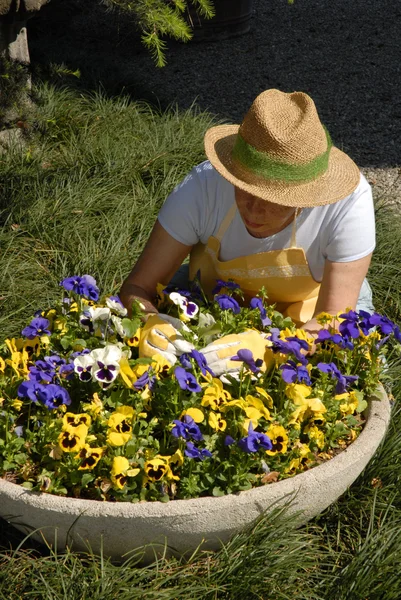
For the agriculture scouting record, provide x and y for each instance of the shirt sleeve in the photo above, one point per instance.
(351, 231)
(184, 213)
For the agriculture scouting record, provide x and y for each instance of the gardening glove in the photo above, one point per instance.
(219, 353)
(161, 335)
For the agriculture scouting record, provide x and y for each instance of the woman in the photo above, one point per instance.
(276, 205)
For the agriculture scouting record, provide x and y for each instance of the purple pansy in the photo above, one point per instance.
(53, 396)
(147, 379)
(291, 373)
(36, 328)
(201, 362)
(229, 441)
(83, 286)
(220, 284)
(227, 303)
(30, 389)
(292, 345)
(343, 381)
(186, 380)
(350, 326)
(246, 357)
(257, 303)
(193, 452)
(254, 441)
(187, 428)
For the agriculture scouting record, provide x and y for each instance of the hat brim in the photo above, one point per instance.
(339, 180)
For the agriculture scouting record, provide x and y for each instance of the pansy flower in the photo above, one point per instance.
(246, 357)
(187, 429)
(36, 328)
(83, 286)
(30, 389)
(53, 396)
(257, 303)
(115, 304)
(228, 303)
(193, 452)
(220, 284)
(293, 373)
(343, 381)
(189, 309)
(217, 422)
(83, 365)
(254, 441)
(158, 468)
(107, 364)
(279, 439)
(186, 380)
(74, 420)
(120, 428)
(72, 439)
(120, 471)
(89, 457)
(349, 326)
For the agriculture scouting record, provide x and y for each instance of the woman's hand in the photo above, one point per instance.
(219, 353)
(161, 335)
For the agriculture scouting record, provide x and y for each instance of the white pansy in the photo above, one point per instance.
(99, 313)
(115, 305)
(83, 366)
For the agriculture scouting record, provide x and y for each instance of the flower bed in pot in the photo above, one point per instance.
(103, 445)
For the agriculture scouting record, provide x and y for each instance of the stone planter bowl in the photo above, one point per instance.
(182, 525)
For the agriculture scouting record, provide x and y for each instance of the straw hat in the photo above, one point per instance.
(282, 153)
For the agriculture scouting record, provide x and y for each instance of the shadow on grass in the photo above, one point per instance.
(345, 54)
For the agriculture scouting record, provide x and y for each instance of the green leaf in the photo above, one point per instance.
(87, 478)
(130, 327)
(66, 342)
(217, 492)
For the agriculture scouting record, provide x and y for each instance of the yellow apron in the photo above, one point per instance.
(284, 274)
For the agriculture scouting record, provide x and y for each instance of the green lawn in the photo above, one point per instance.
(81, 197)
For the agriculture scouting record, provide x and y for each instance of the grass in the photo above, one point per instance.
(81, 196)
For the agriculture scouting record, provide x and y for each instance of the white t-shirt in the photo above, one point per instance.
(341, 232)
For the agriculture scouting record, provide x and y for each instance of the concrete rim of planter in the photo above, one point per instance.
(120, 527)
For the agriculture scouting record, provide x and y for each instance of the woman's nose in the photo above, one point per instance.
(255, 206)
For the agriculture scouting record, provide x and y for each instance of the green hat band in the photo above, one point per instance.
(261, 163)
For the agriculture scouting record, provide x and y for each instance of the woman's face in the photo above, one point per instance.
(262, 218)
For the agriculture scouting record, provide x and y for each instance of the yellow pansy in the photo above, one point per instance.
(304, 452)
(217, 422)
(72, 439)
(279, 438)
(126, 373)
(159, 467)
(297, 392)
(160, 366)
(307, 407)
(257, 403)
(120, 429)
(95, 407)
(17, 404)
(19, 358)
(120, 471)
(135, 339)
(324, 318)
(265, 395)
(215, 395)
(2, 365)
(33, 346)
(195, 413)
(74, 420)
(241, 403)
(315, 435)
(89, 457)
(177, 458)
(349, 402)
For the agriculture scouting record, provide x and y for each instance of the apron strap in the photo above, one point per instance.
(293, 243)
(226, 222)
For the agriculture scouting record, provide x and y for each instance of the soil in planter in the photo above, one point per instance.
(232, 18)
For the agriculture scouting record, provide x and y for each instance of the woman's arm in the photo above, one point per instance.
(158, 262)
(340, 288)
